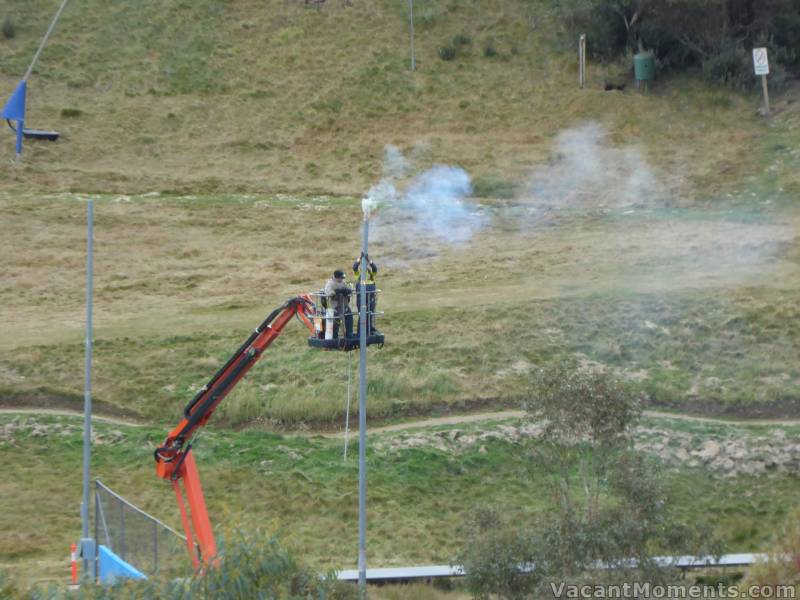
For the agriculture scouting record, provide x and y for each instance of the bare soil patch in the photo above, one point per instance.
(788, 408)
(65, 405)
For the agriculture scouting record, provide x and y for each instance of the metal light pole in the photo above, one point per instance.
(87, 543)
(44, 40)
(411, 20)
(362, 417)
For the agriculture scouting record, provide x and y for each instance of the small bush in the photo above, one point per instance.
(787, 32)
(608, 500)
(492, 187)
(730, 67)
(8, 28)
(7, 589)
(447, 52)
(252, 566)
(334, 106)
(492, 554)
(605, 31)
(461, 39)
(489, 51)
(776, 569)
(426, 17)
(716, 36)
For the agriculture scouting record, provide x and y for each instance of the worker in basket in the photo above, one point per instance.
(371, 290)
(336, 301)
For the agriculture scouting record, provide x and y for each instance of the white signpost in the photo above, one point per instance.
(761, 65)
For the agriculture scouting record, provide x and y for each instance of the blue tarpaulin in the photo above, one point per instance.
(14, 110)
(112, 567)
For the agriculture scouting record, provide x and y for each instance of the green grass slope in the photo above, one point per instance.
(227, 143)
(274, 96)
(697, 308)
(422, 487)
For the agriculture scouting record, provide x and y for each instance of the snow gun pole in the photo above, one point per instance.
(362, 417)
(14, 110)
(87, 544)
(44, 40)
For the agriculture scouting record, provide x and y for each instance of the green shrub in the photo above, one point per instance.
(489, 51)
(777, 570)
(460, 39)
(608, 502)
(447, 52)
(427, 16)
(493, 552)
(715, 35)
(730, 67)
(492, 187)
(252, 565)
(606, 36)
(787, 31)
(7, 589)
(8, 28)
(256, 566)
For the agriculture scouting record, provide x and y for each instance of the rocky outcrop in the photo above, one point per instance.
(732, 452)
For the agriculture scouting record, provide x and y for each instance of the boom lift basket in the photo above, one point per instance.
(330, 324)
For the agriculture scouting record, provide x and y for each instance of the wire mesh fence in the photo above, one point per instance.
(136, 537)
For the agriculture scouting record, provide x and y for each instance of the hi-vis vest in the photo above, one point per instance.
(371, 270)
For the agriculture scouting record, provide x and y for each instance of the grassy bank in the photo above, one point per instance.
(420, 493)
(697, 306)
(255, 96)
(696, 353)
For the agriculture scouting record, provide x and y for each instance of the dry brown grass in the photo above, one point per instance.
(179, 265)
(306, 100)
(180, 281)
(310, 99)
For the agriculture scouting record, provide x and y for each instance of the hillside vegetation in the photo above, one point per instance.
(274, 96)
(227, 145)
(423, 487)
(697, 308)
(654, 234)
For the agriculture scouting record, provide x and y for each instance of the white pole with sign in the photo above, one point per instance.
(761, 65)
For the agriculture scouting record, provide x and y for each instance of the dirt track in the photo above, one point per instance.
(432, 422)
(518, 414)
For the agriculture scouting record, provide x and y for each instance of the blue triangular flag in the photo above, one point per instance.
(14, 109)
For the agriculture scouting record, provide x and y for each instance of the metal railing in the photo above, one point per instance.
(424, 573)
(136, 537)
(325, 315)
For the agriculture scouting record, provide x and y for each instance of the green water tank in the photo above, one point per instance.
(644, 66)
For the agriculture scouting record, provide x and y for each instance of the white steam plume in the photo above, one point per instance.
(429, 214)
(382, 193)
(587, 170)
(649, 235)
(395, 165)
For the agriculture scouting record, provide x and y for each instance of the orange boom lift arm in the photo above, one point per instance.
(174, 459)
